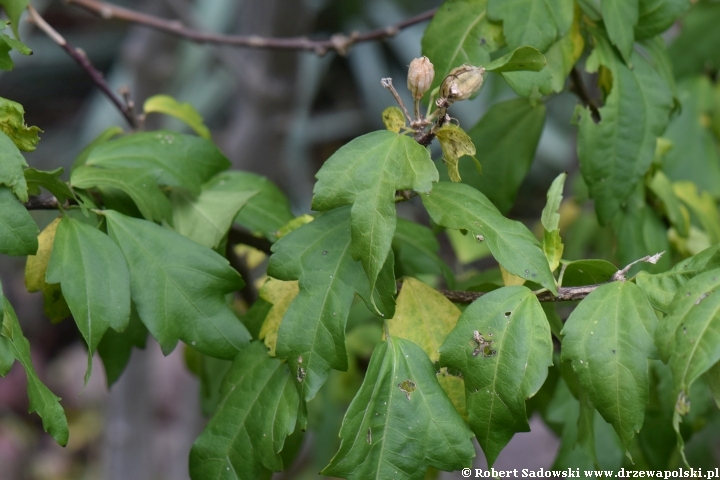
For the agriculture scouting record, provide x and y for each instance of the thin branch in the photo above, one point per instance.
(565, 294)
(387, 83)
(339, 42)
(577, 86)
(43, 203)
(81, 59)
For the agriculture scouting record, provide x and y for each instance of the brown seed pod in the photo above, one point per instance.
(462, 82)
(420, 76)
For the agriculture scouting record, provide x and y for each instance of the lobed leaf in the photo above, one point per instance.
(180, 160)
(365, 173)
(609, 339)
(179, 287)
(587, 272)
(400, 422)
(18, 230)
(94, 278)
(638, 105)
(521, 59)
(115, 347)
(258, 410)
(459, 206)
(537, 23)
(42, 400)
(455, 143)
(312, 333)
(502, 345)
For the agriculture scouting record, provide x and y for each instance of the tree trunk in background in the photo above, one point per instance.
(255, 135)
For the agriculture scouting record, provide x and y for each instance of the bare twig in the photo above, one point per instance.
(43, 203)
(339, 42)
(578, 87)
(81, 59)
(387, 83)
(565, 294)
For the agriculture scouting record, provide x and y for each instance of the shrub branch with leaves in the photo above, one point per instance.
(149, 223)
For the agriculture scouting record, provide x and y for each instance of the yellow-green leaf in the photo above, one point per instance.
(182, 111)
(54, 303)
(423, 315)
(280, 294)
(12, 123)
(393, 119)
(454, 143)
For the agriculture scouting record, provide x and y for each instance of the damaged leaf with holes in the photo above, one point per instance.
(400, 403)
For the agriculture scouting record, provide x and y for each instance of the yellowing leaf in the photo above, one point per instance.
(455, 389)
(423, 315)
(280, 294)
(55, 306)
(509, 279)
(12, 123)
(182, 111)
(454, 143)
(393, 119)
(702, 205)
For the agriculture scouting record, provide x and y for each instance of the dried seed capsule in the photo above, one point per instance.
(420, 77)
(462, 82)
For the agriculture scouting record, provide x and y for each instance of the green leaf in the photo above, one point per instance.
(56, 309)
(103, 137)
(537, 23)
(115, 347)
(620, 18)
(562, 55)
(638, 105)
(258, 410)
(660, 185)
(266, 212)
(455, 143)
(42, 400)
(400, 403)
(182, 111)
(660, 288)
(694, 155)
(509, 134)
(50, 181)
(179, 287)
(280, 294)
(608, 338)
(551, 213)
(312, 333)
(181, 160)
(11, 168)
(424, 316)
(695, 51)
(503, 346)
(587, 272)
(712, 377)
(702, 205)
(393, 119)
(138, 184)
(416, 252)
(18, 230)
(460, 33)
(521, 59)
(656, 16)
(365, 173)
(207, 218)
(459, 206)
(12, 124)
(14, 9)
(552, 243)
(94, 279)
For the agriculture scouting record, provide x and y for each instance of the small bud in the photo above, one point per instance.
(420, 77)
(462, 82)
